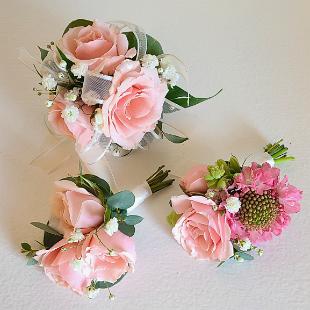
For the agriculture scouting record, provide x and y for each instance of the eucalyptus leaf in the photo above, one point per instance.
(105, 284)
(78, 23)
(46, 228)
(245, 256)
(121, 200)
(26, 246)
(43, 52)
(172, 218)
(133, 219)
(31, 262)
(128, 230)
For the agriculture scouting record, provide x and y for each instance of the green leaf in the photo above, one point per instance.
(128, 230)
(43, 52)
(31, 262)
(174, 138)
(179, 96)
(107, 214)
(245, 256)
(46, 228)
(132, 40)
(221, 263)
(234, 165)
(133, 219)
(102, 184)
(172, 218)
(122, 200)
(104, 284)
(50, 240)
(153, 46)
(78, 23)
(64, 57)
(26, 246)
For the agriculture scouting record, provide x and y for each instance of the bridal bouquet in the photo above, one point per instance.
(88, 242)
(109, 84)
(228, 209)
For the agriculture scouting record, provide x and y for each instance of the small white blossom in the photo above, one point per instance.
(48, 82)
(98, 117)
(149, 61)
(62, 65)
(111, 226)
(79, 69)
(210, 193)
(72, 94)
(260, 252)
(245, 244)
(111, 296)
(76, 236)
(70, 114)
(49, 103)
(233, 204)
(93, 293)
(170, 74)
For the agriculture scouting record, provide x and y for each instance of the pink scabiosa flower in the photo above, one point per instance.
(266, 203)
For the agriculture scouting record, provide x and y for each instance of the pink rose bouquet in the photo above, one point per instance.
(88, 242)
(228, 210)
(111, 82)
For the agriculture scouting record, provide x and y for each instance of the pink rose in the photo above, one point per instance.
(76, 265)
(79, 129)
(64, 266)
(194, 180)
(101, 46)
(202, 232)
(110, 256)
(74, 207)
(135, 104)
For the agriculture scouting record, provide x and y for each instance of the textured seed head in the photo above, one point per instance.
(257, 211)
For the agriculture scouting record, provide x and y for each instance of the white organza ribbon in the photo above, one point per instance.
(96, 88)
(141, 192)
(261, 157)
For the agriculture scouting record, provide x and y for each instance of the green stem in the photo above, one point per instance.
(157, 181)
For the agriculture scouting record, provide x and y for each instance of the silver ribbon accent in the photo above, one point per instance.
(138, 33)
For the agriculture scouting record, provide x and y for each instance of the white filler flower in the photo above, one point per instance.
(76, 236)
(111, 226)
(48, 82)
(79, 69)
(245, 244)
(149, 61)
(72, 94)
(233, 204)
(70, 114)
(170, 74)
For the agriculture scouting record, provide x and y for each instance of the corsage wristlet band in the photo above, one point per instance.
(88, 242)
(229, 209)
(110, 84)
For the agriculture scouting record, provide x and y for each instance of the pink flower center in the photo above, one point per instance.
(258, 211)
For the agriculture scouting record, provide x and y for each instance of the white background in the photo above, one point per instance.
(259, 52)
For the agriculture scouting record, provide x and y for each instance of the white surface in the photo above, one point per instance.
(259, 52)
